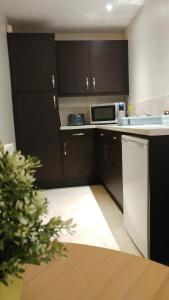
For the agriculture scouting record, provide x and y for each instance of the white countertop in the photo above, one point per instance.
(148, 130)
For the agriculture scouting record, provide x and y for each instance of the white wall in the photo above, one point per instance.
(68, 105)
(6, 114)
(148, 37)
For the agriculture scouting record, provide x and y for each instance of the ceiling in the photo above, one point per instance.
(69, 15)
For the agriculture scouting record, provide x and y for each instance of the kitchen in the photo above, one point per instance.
(148, 94)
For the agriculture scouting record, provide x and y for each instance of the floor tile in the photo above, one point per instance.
(99, 221)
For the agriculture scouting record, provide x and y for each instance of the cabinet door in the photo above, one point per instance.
(35, 115)
(114, 183)
(104, 159)
(109, 67)
(78, 156)
(109, 163)
(101, 155)
(48, 150)
(32, 62)
(73, 67)
(37, 133)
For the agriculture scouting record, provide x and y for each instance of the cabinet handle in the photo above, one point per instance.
(53, 81)
(87, 83)
(104, 152)
(107, 153)
(94, 83)
(101, 134)
(78, 134)
(65, 149)
(54, 101)
(114, 138)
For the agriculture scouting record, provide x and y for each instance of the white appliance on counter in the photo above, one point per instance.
(136, 191)
(107, 113)
(143, 120)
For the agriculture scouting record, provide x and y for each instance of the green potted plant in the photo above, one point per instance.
(24, 236)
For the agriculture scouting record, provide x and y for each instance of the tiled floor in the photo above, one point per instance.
(99, 221)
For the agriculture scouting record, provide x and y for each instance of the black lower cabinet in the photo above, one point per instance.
(78, 150)
(48, 151)
(109, 163)
(37, 128)
(159, 198)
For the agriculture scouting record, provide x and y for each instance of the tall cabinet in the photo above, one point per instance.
(35, 104)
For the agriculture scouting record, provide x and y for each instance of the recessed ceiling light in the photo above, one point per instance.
(109, 7)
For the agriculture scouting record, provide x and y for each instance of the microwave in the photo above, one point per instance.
(107, 113)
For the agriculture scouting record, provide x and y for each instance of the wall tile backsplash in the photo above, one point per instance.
(68, 105)
(151, 106)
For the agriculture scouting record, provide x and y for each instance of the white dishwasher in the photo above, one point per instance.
(136, 191)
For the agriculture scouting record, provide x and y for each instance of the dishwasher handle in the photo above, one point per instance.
(135, 142)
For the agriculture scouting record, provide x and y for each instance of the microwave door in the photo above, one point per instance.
(103, 114)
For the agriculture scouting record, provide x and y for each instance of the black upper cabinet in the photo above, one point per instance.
(72, 59)
(109, 67)
(92, 67)
(30, 72)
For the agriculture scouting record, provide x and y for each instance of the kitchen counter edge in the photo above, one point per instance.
(140, 130)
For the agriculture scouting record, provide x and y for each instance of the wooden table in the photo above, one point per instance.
(98, 274)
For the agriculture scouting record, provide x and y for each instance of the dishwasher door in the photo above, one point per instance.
(136, 191)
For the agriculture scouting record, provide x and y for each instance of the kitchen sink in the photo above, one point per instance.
(144, 120)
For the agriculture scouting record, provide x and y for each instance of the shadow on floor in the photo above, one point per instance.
(114, 218)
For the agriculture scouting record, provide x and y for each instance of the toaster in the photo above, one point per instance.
(76, 119)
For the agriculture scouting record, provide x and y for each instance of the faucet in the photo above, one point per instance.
(147, 115)
(133, 114)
